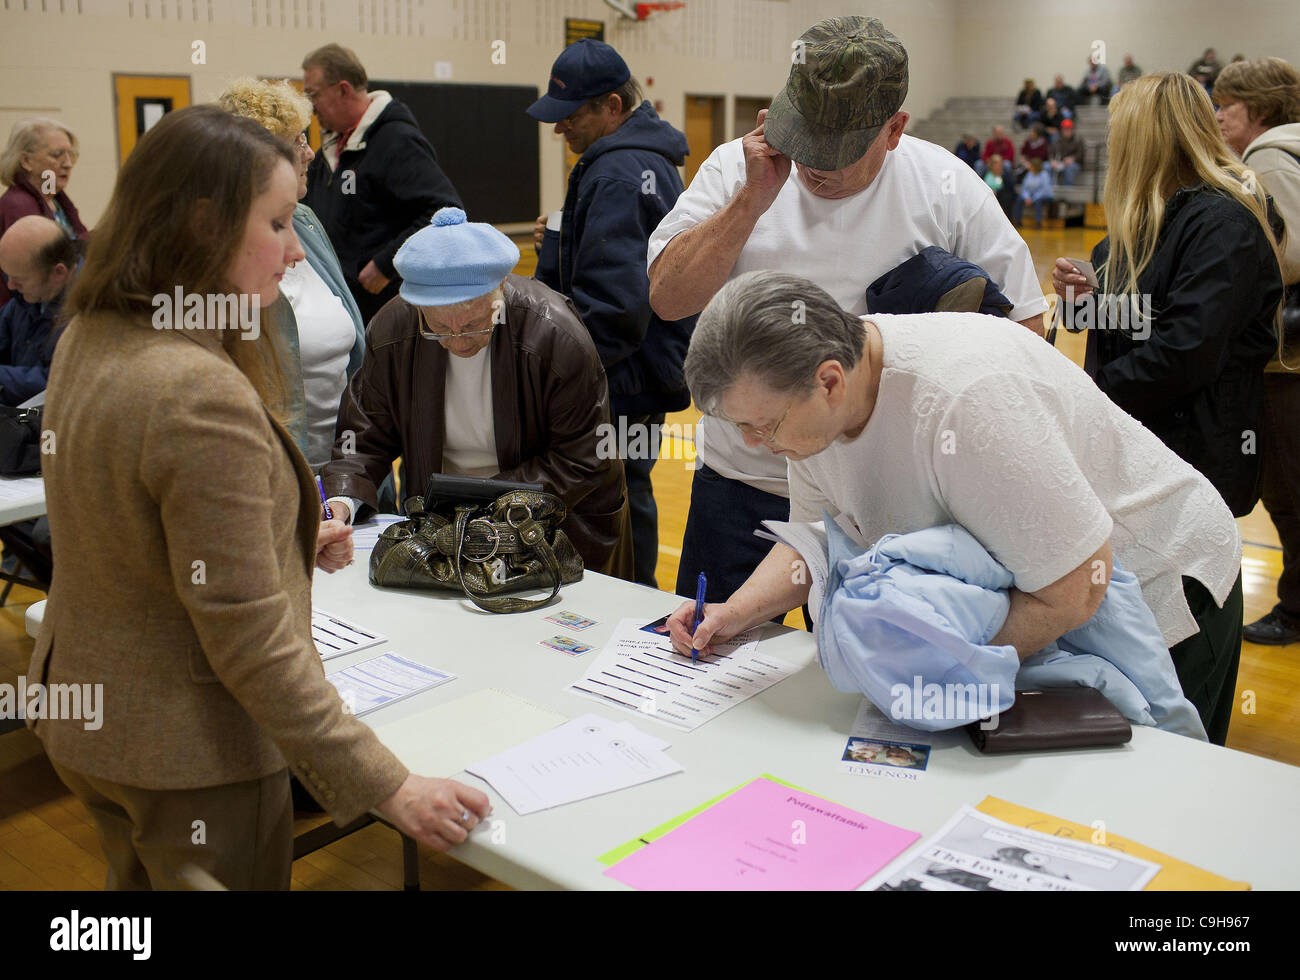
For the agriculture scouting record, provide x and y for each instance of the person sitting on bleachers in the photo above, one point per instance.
(1002, 182)
(39, 259)
(968, 152)
(999, 145)
(1053, 116)
(1035, 189)
(1029, 103)
(1129, 72)
(1068, 155)
(1062, 93)
(1035, 147)
(1096, 84)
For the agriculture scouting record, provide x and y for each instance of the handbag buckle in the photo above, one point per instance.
(496, 543)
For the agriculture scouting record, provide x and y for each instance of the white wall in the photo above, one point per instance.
(58, 56)
(1003, 42)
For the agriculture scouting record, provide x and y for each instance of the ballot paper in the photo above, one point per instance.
(880, 748)
(639, 671)
(384, 680)
(766, 836)
(366, 535)
(976, 852)
(334, 636)
(585, 757)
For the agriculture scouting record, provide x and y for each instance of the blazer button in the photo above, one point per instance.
(329, 796)
(304, 765)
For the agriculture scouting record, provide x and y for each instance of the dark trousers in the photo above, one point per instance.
(1206, 663)
(640, 492)
(720, 539)
(371, 303)
(1280, 489)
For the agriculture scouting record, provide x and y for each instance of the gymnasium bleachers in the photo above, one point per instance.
(979, 114)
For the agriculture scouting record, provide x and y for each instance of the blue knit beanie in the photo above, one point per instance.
(453, 260)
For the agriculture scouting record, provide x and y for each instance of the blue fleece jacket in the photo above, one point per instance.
(921, 608)
(619, 191)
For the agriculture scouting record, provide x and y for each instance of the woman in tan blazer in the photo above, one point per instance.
(186, 523)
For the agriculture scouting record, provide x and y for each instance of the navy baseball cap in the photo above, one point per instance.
(584, 70)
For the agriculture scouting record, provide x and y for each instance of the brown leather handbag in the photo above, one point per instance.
(483, 538)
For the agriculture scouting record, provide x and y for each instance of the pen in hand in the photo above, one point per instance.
(329, 514)
(700, 587)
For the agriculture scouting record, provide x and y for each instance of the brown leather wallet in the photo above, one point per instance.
(1061, 718)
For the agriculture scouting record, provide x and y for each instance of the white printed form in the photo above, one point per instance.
(640, 671)
(334, 637)
(585, 757)
(384, 680)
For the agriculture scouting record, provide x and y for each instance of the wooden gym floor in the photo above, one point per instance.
(48, 842)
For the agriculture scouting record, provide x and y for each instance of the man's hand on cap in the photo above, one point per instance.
(766, 169)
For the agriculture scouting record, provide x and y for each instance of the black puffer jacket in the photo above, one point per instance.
(1194, 375)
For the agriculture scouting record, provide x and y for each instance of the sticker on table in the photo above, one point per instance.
(571, 621)
(567, 644)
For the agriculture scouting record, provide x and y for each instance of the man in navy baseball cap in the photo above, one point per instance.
(585, 70)
(594, 252)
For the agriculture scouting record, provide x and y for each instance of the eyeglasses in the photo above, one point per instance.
(759, 432)
(315, 93)
(428, 334)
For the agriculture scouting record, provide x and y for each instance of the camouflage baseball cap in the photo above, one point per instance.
(848, 79)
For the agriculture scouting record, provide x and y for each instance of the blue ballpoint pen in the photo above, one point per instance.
(699, 612)
(329, 514)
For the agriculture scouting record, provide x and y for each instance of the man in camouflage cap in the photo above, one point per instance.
(851, 81)
(826, 187)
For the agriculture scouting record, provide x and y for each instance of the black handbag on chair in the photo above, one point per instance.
(482, 538)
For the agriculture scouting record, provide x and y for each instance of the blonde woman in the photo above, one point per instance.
(324, 335)
(1190, 284)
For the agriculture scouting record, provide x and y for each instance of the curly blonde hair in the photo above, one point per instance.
(277, 106)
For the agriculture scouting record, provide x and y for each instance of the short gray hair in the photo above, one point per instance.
(28, 136)
(773, 327)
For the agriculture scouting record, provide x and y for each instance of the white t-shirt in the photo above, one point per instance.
(981, 423)
(469, 442)
(326, 335)
(922, 196)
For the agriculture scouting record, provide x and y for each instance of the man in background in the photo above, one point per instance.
(623, 184)
(376, 180)
(39, 259)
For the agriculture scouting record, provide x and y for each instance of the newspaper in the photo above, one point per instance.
(976, 852)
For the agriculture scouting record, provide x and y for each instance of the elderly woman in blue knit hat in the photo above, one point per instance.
(474, 371)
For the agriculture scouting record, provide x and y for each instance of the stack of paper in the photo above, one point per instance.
(585, 757)
(384, 680)
(766, 835)
(334, 637)
(639, 671)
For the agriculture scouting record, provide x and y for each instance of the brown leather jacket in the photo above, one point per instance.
(548, 397)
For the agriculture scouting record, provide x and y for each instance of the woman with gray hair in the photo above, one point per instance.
(35, 166)
(902, 423)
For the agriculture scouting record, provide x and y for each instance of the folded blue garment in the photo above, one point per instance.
(908, 621)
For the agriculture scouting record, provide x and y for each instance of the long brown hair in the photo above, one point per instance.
(176, 220)
(1162, 134)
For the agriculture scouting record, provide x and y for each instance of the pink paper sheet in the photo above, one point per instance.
(766, 837)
